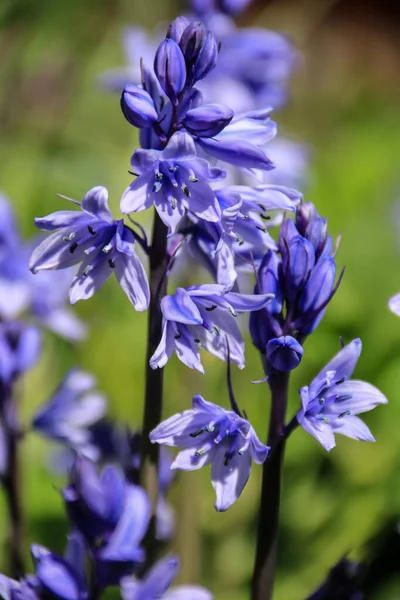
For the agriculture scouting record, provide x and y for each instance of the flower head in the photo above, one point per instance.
(203, 316)
(102, 245)
(210, 434)
(73, 407)
(175, 180)
(155, 585)
(332, 401)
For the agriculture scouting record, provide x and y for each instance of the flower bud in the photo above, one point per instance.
(138, 107)
(300, 261)
(200, 50)
(317, 293)
(208, 120)
(287, 233)
(305, 213)
(284, 353)
(169, 67)
(176, 28)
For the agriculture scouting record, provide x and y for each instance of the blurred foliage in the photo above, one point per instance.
(61, 133)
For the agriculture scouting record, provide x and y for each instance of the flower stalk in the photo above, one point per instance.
(268, 520)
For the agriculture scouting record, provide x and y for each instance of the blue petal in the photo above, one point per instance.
(95, 203)
(236, 152)
(170, 68)
(160, 577)
(56, 576)
(341, 366)
(228, 480)
(181, 308)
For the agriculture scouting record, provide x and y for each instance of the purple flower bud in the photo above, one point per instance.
(287, 233)
(284, 353)
(317, 292)
(169, 67)
(262, 323)
(176, 28)
(300, 261)
(200, 50)
(208, 120)
(305, 213)
(138, 107)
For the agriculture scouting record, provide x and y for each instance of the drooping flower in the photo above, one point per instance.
(71, 410)
(155, 585)
(209, 434)
(174, 180)
(203, 316)
(101, 244)
(332, 401)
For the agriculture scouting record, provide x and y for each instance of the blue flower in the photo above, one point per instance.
(101, 244)
(332, 401)
(175, 180)
(155, 584)
(210, 434)
(203, 316)
(284, 353)
(20, 347)
(71, 410)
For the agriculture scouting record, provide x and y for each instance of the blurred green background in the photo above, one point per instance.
(61, 133)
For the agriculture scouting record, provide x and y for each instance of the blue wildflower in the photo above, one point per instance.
(284, 353)
(332, 401)
(20, 347)
(155, 584)
(101, 244)
(210, 434)
(175, 180)
(203, 316)
(71, 410)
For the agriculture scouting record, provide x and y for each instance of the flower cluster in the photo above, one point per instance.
(302, 278)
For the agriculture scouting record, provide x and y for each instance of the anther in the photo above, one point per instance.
(174, 203)
(186, 190)
(265, 217)
(346, 413)
(193, 179)
(177, 336)
(91, 230)
(111, 263)
(107, 248)
(233, 313)
(210, 308)
(69, 238)
(86, 270)
(73, 247)
(200, 452)
(216, 330)
(156, 187)
(197, 433)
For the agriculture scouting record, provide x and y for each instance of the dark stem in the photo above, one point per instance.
(267, 532)
(148, 475)
(11, 485)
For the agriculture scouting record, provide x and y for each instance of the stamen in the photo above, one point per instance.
(341, 381)
(239, 239)
(210, 308)
(343, 397)
(111, 263)
(159, 176)
(209, 428)
(200, 452)
(193, 179)
(73, 247)
(324, 418)
(198, 342)
(186, 190)
(107, 248)
(87, 270)
(174, 203)
(69, 238)
(321, 400)
(261, 228)
(265, 217)
(91, 230)
(346, 413)
(216, 329)
(177, 336)
(228, 458)
(156, 187)
(197, 433)
(173, 169)
(233, 313)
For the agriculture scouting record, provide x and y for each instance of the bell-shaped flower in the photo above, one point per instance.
(95, 502)
(58, 577)
(203, 316)
(332, 401)
(207, 120)
(20, 347)
(102, 245)
(122, 551)
(156, 583)
(200, 50)
(209, 434)
(71, 410)
(284, 353)
(138, 107)
(170, 69)
(316, 294)
(175, 180)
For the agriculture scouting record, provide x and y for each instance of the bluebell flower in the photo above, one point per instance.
(71, 410)
(102, 245)
(175, 180)
(10, 589)
(394, 304)
(62, 578)
(332, 401)
(203, 316)
(210, 434)
(284, 353)
(20, 347)
(156, 583)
